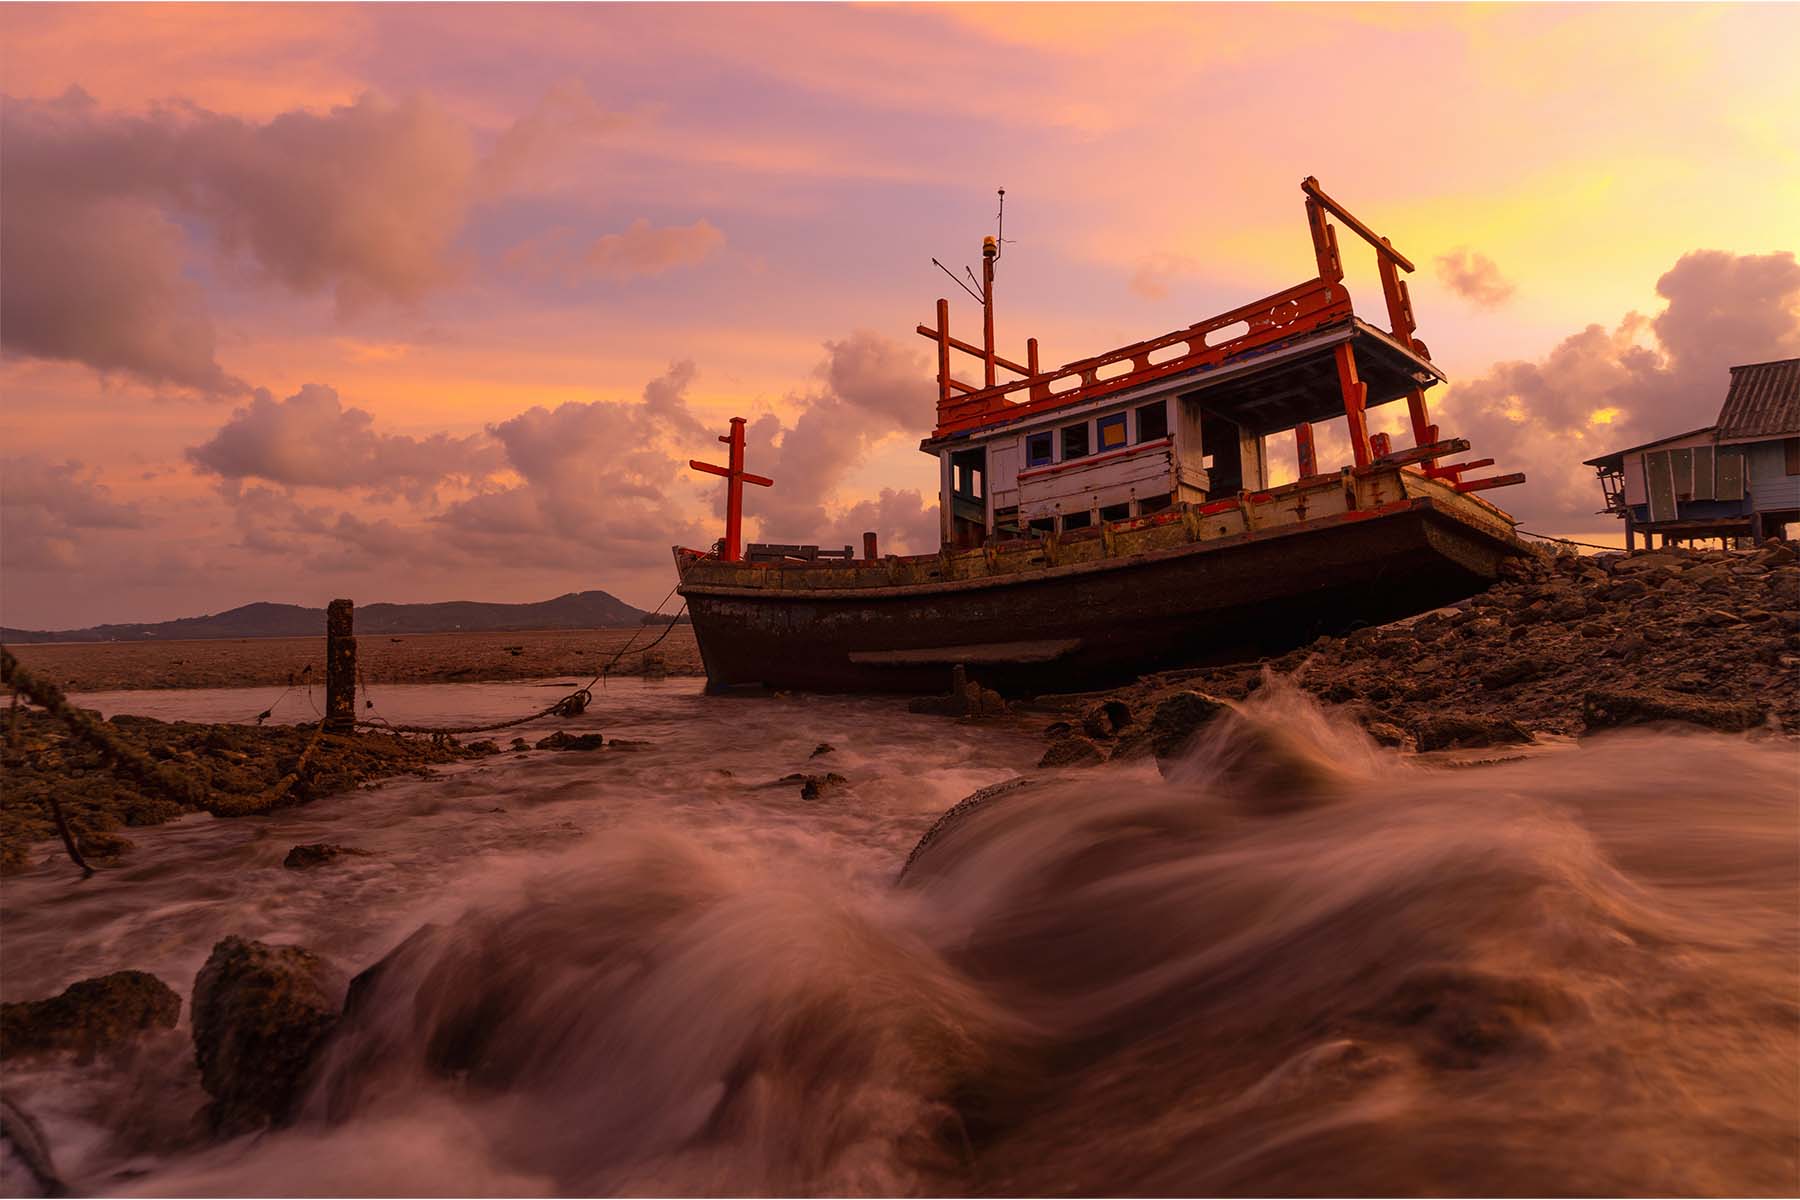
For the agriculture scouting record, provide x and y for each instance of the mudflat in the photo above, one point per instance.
(382, 658)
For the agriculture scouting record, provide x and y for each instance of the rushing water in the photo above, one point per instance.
(1300, 965)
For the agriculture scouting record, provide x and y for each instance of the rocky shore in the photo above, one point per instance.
(1564, 645)
(238, 768)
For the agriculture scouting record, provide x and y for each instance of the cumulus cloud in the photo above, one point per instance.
(311, 439)
(868, 388)
(901, 520)
(1474, 277)
(1156, 273)
(600, 482)
(567, 114)
(47, 509)
(1603, 389)
(363, 202)
(641, 250)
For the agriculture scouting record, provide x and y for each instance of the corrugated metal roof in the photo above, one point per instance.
(1764, 400)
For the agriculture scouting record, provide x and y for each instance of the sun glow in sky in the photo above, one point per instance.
(422, 302)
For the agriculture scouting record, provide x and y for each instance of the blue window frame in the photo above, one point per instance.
(1112, 432)
(1039, 450)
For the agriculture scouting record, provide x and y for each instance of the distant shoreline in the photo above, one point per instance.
(473, 656)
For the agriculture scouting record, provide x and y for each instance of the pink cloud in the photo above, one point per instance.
(1602, 389)
(48, 509)
(1474, 277)
(311, 439)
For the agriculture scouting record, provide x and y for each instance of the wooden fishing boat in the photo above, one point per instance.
(1115, 515)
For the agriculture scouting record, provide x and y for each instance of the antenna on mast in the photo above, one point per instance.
(1000, 228)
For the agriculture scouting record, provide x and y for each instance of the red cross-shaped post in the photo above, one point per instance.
(736, 478)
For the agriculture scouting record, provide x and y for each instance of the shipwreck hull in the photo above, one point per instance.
(1098, 622)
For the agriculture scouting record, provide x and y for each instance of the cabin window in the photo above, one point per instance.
(1074, 441)
(1112, 432)
(1153, 422)
(1044, 525)
(1150, 504)
(1116, 512)
(1078, 520)
(1039, 449)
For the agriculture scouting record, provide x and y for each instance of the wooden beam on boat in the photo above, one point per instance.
(990, 652)
(1451, 470)
(1492, 481)
(1383, 247)
(977, 351)
(1400, 458)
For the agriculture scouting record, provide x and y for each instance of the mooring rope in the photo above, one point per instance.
(1570, 541)
(571, 705)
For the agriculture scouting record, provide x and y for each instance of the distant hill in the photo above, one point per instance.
(577, 610)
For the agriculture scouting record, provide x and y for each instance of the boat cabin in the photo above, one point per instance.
(1184, 418)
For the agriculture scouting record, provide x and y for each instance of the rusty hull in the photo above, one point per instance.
(1232, 580)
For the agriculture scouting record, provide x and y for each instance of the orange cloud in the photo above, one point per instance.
(642, 250)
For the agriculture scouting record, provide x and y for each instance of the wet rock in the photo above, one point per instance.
(520, 743)
(956, 815)
(103, 846)
(484, 747)
(1460, 1018)
(571, 741)
(316, 854)
(90, 1016)
(1056, 729)
(822, 748)
(1106, 719)
(1448, 731)
(1388, 734)
(1179, 717)
(260, 1012)
(1072, 750)
(816, 787)
(1611, 708)
(1517, 670)
(970, 700)
(812, 787)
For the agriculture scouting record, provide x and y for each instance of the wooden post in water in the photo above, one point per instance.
(340, 667)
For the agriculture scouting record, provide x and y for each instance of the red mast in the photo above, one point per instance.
(736, 478)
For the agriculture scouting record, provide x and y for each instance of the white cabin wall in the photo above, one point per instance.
(1253, 451)
(945, 508)
(1004, 456)
(1190, 454)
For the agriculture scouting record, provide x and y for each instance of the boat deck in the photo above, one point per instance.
(1315, 503)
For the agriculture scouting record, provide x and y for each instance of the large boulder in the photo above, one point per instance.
(89, 1016)
(1610, 708)
(259, 1012)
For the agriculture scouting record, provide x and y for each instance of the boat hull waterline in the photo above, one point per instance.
(1097, 623)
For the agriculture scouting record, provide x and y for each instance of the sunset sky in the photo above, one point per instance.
(422, 302)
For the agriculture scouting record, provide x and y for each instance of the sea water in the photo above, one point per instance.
(1294, 964)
